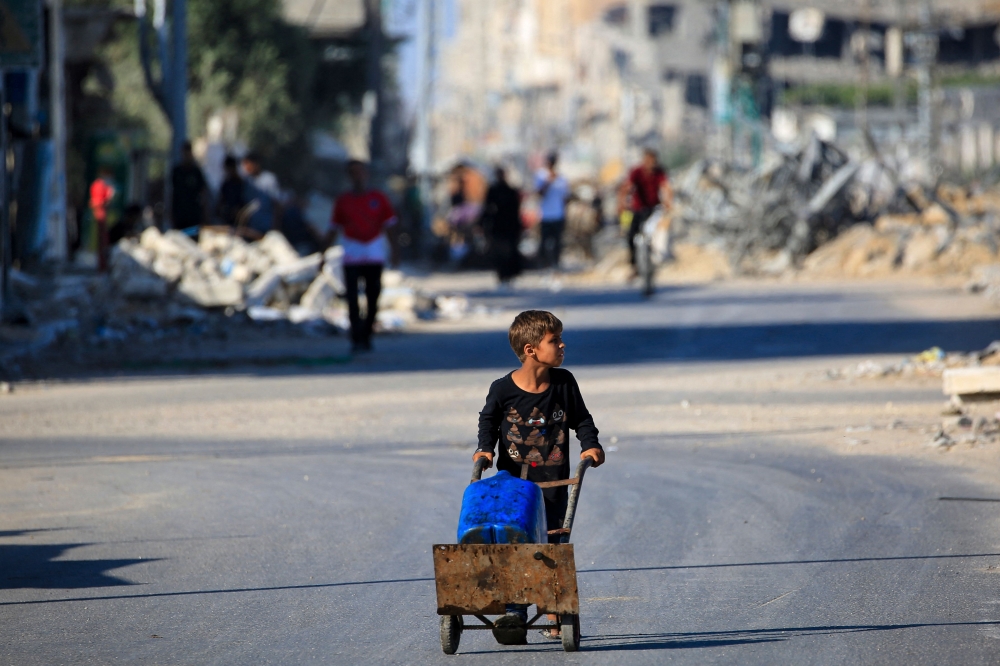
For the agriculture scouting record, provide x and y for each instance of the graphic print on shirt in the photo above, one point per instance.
(536, 418)
(537, 448)
(514, 437)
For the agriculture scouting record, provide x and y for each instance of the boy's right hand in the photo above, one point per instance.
(483, 454)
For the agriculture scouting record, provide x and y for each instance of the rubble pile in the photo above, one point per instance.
(928, 363)
(167, 296)
(267, 278)
(825, 213)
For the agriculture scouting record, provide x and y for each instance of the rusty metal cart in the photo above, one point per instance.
(478, 579)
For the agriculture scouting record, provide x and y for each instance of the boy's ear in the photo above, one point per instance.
(529, 349)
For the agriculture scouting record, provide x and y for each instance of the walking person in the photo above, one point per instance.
(364, 218)
(231, 191)
(189, 193)
(647, 186)
(262, 190)
(502, 224)
(553, 190)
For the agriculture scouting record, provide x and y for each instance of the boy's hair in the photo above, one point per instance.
(530, 327)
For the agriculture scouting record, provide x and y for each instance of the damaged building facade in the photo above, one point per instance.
(600, 79)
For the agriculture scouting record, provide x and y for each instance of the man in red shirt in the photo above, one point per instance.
(102, 195)
(646, 187)
(362, 217)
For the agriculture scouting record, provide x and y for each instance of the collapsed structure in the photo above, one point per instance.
(824, 212)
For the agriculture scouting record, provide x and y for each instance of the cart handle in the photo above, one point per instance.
(574, 495)
(477, 469)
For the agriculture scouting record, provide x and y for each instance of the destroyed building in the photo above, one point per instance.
(599, 79)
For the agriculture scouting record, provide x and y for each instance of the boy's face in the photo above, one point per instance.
(551, 350)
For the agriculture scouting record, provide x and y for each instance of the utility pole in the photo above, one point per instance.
(925, 45)
(170, 90)
(178, 80)
(57, 246)
(373, 22)
(424, 153)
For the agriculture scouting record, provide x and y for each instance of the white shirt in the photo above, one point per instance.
(375, 251)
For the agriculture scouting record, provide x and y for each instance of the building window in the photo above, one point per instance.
(661, 19)
(696, 90)
(616, 15)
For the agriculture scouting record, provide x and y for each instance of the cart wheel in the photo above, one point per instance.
(570, 632)
(451, 633)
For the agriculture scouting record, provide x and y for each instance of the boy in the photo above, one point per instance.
(529, 411)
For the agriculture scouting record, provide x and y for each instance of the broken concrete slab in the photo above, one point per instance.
(211, 293)
(263, 288)
(968, 383)
(276, 246)
(320, 293)
(300, 270)
(168, 267)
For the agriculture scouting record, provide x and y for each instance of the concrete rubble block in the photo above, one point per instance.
(320, 293)
(168, 267)
(216, 240)
(389, 321)
(150, 239)
(130, 274)
(971, 381)
(239, 272)
(264, 313)
(134, 250)
(451, 307)
(392, 278)
(211, 293)
(300, 314)
(183, 242)
(263, 288)
(210, 268)
(923, 246)
(333, 267)
(276, 246)
(300, 270)
(397, 298)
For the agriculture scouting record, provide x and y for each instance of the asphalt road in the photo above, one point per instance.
(283, 517)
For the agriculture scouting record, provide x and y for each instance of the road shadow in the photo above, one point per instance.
(600, 343)
(38, 567)
(841, 560)
(709, 639)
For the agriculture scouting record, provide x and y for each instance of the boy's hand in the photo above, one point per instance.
(597, 455)
(483, 454)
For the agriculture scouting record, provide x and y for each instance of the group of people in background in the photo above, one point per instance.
(646, 187)
(250, 201)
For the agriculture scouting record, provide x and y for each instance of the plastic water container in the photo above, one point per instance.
(502, 509)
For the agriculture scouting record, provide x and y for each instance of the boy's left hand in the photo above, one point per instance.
(597, 455)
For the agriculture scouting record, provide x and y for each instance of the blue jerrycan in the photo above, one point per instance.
(502, 509)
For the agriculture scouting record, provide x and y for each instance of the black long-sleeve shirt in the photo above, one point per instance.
(532, 427)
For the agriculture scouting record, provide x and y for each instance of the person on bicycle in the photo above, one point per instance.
(647, 186)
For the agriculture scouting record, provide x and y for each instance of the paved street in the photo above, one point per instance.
(752, 511)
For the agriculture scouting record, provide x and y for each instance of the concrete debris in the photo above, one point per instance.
(932, 362)
(968, 429)
(451, 307)
(821, 211)
(211, 292)
(168, 290)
